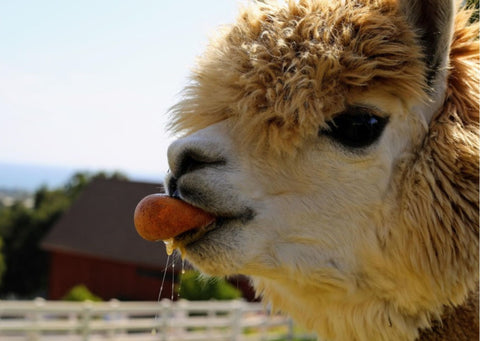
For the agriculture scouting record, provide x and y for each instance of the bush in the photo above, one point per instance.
(194, 287)
(80, 293)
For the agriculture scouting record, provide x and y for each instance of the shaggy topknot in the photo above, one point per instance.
(281, 72)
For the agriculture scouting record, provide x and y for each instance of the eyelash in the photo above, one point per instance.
(355, 128)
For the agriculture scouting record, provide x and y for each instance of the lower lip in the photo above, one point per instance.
(189, 237)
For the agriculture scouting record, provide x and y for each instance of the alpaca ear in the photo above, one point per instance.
(433, 20)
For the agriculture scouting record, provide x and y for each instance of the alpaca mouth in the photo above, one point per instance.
(231, 215)
(191, 237)
(188, 237)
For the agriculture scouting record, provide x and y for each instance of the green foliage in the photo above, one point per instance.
(194, 287)
(80, 293)
(2, 260)
(22, 229)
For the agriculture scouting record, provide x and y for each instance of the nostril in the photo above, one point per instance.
(195, 152)
(192, 160)
(189, 155)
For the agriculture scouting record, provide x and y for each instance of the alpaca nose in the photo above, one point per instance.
(192, 158)
(195, 152)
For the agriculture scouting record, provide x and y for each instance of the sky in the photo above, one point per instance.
(87, 84)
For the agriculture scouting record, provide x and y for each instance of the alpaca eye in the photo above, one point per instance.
(356, 128)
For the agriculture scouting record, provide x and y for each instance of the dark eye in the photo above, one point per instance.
(356, 128)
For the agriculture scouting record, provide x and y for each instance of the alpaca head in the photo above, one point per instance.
(337, 146)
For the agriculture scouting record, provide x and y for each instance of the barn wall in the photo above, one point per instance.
(107, 279)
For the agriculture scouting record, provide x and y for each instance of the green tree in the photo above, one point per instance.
(80, 293)
(2, 260)
(195, 287)
(22, 229)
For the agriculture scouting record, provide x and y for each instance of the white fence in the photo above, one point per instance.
(42, 320)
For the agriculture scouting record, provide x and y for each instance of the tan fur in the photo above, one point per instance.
(435, 254)
(439, 196)
(281, 75)
(395, 254)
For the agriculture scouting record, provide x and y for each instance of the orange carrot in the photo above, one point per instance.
(160, 217)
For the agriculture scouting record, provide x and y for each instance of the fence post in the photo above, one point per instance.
(181, 313)
(211, 314)
(165, 315)
(113, 317)
(237, 311)
(36, 317)
(264, 326)
(72, 318)
(86, 316)
(291, 332)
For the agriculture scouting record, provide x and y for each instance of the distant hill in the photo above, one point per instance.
(29, 177)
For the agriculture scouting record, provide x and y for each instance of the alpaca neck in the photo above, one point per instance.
(356, 319)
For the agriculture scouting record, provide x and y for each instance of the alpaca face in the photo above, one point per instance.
(293, 131)
(321, 136)
(306, 210)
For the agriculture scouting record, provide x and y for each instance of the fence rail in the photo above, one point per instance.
(41, 320)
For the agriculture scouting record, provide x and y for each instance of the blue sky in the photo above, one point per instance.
(87, 84)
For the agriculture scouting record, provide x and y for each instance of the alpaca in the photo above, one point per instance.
(336, 142)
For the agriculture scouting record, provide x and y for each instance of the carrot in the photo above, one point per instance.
(160, 217)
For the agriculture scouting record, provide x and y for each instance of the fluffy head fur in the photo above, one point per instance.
(281, 72)
(367, 244)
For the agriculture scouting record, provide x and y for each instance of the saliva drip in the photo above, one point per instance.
(170, 248)
(173, 280)
(181, 277)
(157, 315)
(163, 279)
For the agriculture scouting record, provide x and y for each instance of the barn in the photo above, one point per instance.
(95, 243)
